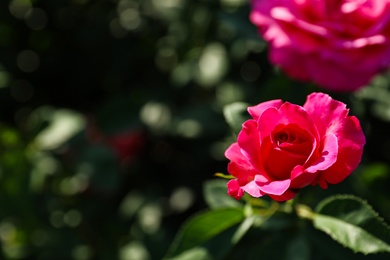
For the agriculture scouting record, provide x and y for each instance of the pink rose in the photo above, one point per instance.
(339, 45)
(286, 147)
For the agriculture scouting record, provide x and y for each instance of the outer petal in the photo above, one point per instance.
(248, 140)
(331, 117)
(325, 112)
(350, 141)
(268, 27)
(305, 36)
(257, 110)
(273, 187)
(234, 189)
(288, 195)
(301, 178)
(253, 189)
(239, 166)
(260, 12)
(286, 58)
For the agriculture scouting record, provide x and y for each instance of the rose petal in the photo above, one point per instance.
(287, 114)
(300, 142)
(328, 155)
(381, 23)
(278, 164)
(373, 9)
(248, 140)
(325, 112)
(273, 187)
(256, 111)
(301, 178)
(234, 189)
(287, 58)
(239, 166)
(288, 195)
(328, 72)
(284, 14)
(350, 141)
(349, 7)
(253, 189)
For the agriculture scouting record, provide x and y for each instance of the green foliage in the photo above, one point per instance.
(216, 195)
(353, 223)
(203, 227)
(236, 114)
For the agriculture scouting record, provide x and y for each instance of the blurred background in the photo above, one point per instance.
(111, 120)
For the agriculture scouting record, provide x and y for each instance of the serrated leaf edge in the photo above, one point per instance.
(351, 197)
(334, 237)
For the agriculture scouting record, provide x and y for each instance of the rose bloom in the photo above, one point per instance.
(338, 44)
(286, 147)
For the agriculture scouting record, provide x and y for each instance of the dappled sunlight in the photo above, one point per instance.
(65, 124)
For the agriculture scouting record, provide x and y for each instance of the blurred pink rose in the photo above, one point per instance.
(338, 44)
(286, 147)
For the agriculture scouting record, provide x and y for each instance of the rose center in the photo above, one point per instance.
(287, 147)
(292, 138)
(281, 137)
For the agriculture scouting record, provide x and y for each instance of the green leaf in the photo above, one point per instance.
(203, 227)
(195, 253)
(216, 196)
(236, 114)
(353, 223)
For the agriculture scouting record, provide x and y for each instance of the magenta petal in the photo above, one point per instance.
(239, 166)
(285, 15)
(257, 110)
(268, 121)
(274, 187)
(287, 114)
(253, 189)
(301, 178)
(288, 195)
(248, 140)
(328, 155)
(234, 189)
(350, 150)
(324, 111)
(233, 153)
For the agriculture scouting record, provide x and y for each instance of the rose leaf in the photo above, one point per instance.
(353, 223)
(202, 228)
(216, 196)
